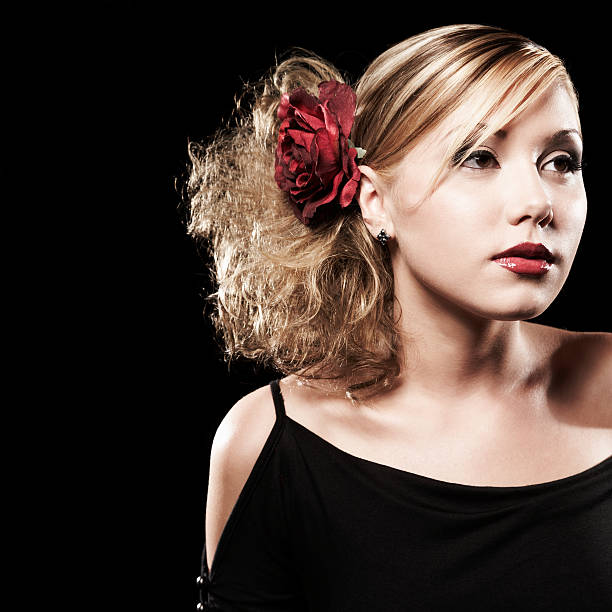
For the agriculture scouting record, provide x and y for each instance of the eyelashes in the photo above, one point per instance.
(485, 160)
(458, 155)
(573, 164)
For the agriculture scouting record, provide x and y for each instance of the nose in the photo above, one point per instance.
(529, 198)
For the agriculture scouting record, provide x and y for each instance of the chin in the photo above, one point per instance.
(515, 312)
(521, 314)
(518, 316)
(521, 305)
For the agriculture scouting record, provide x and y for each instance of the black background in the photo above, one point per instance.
(163, 74)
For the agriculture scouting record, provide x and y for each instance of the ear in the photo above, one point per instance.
(371, 200)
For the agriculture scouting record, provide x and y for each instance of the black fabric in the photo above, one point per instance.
(318, 529)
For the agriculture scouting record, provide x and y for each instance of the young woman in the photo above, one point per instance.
(427, 447)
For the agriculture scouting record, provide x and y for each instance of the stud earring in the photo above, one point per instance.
(383, 237)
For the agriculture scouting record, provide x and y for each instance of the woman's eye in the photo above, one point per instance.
(563, 164)
(481, 160)
(485, 160)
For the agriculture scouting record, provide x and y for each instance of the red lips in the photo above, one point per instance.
(528, 250)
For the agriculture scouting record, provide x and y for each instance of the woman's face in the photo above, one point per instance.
(518, 186)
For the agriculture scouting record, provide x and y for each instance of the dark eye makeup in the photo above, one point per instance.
(485, 160)
(571, 162)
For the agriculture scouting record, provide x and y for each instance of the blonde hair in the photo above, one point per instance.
(491, 74)
(317, 301)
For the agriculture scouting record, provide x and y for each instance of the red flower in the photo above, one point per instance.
(314, 162)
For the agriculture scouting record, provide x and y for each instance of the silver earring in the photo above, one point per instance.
(383, 237)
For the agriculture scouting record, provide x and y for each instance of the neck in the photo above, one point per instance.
(452, 353)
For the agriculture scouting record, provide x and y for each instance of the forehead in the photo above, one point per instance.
(554, 110)
(550, 119)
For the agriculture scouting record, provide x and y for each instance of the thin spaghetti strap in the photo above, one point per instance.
(279, 403)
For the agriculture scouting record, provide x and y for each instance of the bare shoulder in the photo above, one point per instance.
(597, 354)
(245, 427)
(582, 373)
(237, 444)
(588, 355)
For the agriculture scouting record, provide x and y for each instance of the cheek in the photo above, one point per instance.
(446, 229)
(450, 216)
(573, 214)
(569, 218)
(409, 187)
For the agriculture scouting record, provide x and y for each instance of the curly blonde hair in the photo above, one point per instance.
(318, 302)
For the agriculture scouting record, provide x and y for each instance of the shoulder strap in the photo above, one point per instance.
(279, 403)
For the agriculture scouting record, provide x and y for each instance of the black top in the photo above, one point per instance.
(316, 528)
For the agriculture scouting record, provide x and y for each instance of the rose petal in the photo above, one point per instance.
(310, 192)
(302, 180)
(341, 100)
(348, 193)
(327, 163)
(283, 106)
(309, 188)
(351, 169)
(313, 204)
(306, 109)
(300, 98)
(332, 128)
(294, 164)
(302, 138)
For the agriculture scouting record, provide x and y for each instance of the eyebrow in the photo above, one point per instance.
(560, 137)
(557, 138)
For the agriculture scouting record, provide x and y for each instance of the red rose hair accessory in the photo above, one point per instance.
(315, 160)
